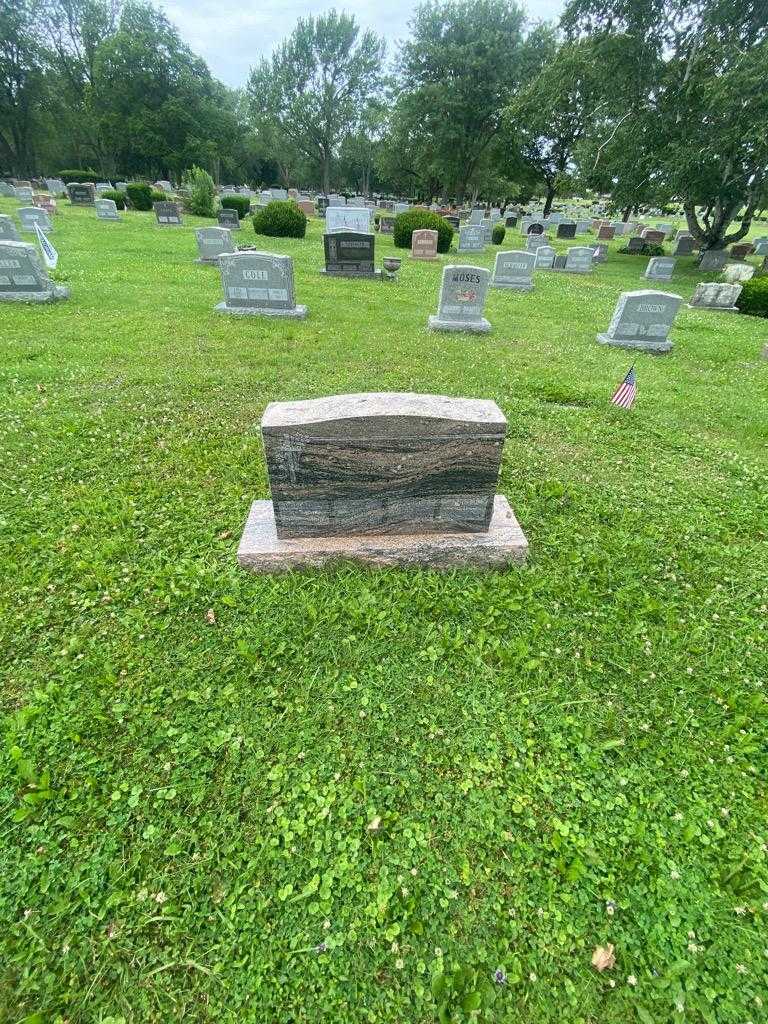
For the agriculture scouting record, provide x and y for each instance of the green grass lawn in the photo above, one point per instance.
(560, 756)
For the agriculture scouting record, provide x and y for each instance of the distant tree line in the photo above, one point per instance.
(649, 102)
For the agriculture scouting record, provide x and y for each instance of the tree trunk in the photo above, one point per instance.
(711, 234)
(551, 192)
(626, 213)
(326, 164)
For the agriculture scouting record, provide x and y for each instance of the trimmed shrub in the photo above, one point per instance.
(80, 176)
(139, 195)
(497, 236)
(648, 249)
(754, 296)
(281, 218)
(201, 192)
(158, 196)
(413, 220)
(240, 203)
(116, 195)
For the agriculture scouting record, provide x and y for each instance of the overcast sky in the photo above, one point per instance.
(232, 36)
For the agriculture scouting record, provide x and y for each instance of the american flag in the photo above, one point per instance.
(627, 391)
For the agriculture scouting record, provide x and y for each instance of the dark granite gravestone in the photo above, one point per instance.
(636, 244)
(387, 479)
(462, 300)
(168, 214)
(514, 270)
(510, 221)
(605, 233)
(536, 228)
(228, 219)
(350, 254)
(566, 229)
(81, 195)
(742, 250)
(258, 284)
(386, 224)
(453, 221)
(642, 320)
(22, 278)
(654, 237)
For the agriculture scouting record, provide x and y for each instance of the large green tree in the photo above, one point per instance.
(550, 115)
(23, 86)
(684, 85)
(457, 73)
(312, 88)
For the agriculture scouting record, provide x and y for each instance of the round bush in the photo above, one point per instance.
(81, 176)
(754, 296)
(116, 195)
(281, 218)
(158, 196)
(497, 235)
(139, 195)
(240, 203)
(413, 220)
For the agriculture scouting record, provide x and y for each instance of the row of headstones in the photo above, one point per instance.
(258, 283)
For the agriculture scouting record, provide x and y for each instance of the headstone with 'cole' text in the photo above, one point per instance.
(258, 284)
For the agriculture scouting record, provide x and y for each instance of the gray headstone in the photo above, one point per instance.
(24, 193)
(713, 259)
(545, 257)
(642, 320)
(514, 269)
(7, 190)
(462, 300)
(335, 200)
(477, 215)
(102, 186)
(386, 223)
(583, 227)
(121, 186)
(8, 230)
(761, 247)
(684, 245)
(600, 253)
(228, 219)
(401, 208)
(714, 296)
(471, 238)
(577, 260)
(424, 244)
(738, 273)
(164, 185)
(168, 214)
(212, 242)
(106, 209)
(535, 242)
(348, 218)
(31, 215)
(660, 268)
(22, 278)
(258, 284)
(350, 254)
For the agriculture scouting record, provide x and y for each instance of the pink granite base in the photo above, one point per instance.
(261, 550)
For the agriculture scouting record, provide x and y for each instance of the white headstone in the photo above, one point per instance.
(347, 218)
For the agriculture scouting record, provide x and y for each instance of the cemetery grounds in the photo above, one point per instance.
(351, 795)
